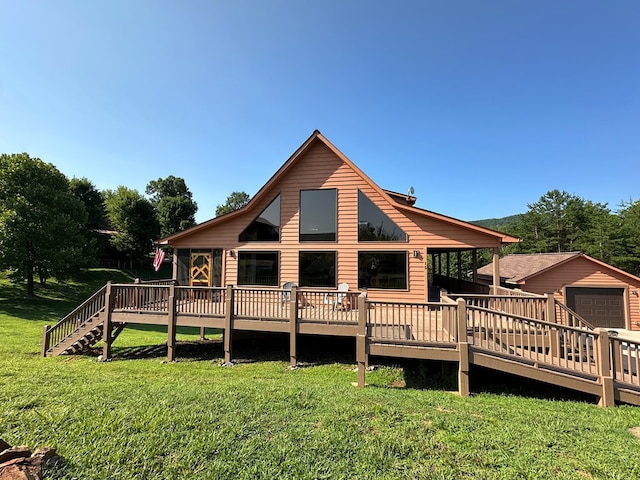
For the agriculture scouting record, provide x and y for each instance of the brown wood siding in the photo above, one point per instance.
(321, 168)
(582, 272)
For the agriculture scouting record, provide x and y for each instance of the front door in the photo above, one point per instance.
(200, 269)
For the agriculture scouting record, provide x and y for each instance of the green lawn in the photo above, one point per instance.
(143, 418)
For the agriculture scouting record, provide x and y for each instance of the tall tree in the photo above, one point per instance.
(234, 201)
(174, 204)
(85, 191)
(41, 222)
(628, 257)
(133, 219)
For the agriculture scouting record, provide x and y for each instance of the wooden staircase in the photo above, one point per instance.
(81, 329)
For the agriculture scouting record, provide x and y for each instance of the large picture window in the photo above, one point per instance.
(318, 210)
(266, 227)
(386, 270)
(374, 225)
(317, 269)
(258, 268)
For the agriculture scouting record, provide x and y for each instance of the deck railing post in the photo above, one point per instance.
(108, 326)
(551, 308)
(293, 324)
(171, 325)
(46, 337)
(463, 349)
(607, 399)
(362, 357)
(228, 323)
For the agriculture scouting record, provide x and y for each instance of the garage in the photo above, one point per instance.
(602, 307)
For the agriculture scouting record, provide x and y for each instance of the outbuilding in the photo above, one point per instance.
(600, 293)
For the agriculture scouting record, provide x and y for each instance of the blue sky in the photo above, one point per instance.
(481, 106)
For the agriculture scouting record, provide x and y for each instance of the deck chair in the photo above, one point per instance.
(341, 295)
(286, 295)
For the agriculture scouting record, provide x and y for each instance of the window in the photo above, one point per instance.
(318, 215)
(382, 270)
(258, 268)
(317, 269)
(266, 227)
(374, 225)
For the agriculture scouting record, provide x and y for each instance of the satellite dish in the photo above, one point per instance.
(411, 190)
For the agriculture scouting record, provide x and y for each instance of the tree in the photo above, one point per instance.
(234, 201)
(85, 191)
(41, 222)
(174, 204)
(91, 197)
(133, 219)
(628, 257)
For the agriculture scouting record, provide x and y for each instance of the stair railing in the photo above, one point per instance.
(89, 308)
(566, 316)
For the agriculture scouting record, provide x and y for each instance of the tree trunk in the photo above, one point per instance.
(30, 291)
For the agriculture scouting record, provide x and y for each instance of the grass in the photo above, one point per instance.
(138, 417)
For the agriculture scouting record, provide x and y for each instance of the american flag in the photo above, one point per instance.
(157, 260)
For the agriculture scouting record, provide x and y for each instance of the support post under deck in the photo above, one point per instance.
(171, 325)
(108, 325)
(228, 324)
(463, 349)
(361, 339)
(293, 323)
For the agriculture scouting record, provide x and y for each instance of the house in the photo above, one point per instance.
(602, 294)
(320, 221)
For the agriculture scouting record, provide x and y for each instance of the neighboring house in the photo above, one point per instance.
(602, 294)
(320, 222)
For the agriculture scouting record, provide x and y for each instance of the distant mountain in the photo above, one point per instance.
(499, 224)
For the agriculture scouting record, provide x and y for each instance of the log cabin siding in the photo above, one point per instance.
(581, 272)
(319, 167)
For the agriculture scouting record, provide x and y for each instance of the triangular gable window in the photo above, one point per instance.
(266, 226)
(374, 225)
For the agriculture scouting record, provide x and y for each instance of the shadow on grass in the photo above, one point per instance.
(246, 348)
(484, 380)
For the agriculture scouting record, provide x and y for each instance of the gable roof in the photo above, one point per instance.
(518, 268)
(400, 201)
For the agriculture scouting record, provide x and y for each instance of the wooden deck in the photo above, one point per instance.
(490, 331)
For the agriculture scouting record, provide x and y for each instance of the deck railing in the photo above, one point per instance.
(512, 292)
(203, 301)
(566, 316)
(262, 304)
(625, 356)
(162, 281)
(139, 297)
(514, 328)
(524, 306)
(512, 335)
(327, 306)
(412, 322)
